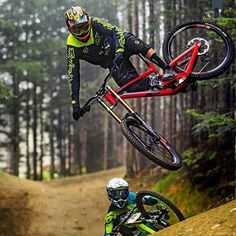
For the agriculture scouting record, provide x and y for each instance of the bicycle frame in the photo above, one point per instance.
(169, 87)
(179, 80)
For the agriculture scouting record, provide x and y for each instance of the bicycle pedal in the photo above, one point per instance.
(156, 84)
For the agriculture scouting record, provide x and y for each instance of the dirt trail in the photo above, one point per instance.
(76, 206)
(67, 207)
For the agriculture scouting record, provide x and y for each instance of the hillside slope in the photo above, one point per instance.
(220, 221)
(76, 207)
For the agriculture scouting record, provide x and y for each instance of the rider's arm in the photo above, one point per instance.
(73, 74)
(112, 30)
(109, 222)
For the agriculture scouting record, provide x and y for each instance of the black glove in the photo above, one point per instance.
(76, 112)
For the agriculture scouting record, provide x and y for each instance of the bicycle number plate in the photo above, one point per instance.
(134, 218)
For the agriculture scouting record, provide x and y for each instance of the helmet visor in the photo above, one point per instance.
(79, 21)
(119, 194)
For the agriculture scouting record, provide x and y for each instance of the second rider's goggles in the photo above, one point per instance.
(119, 194)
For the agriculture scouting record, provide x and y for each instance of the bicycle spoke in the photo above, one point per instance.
(210, 37)
(154, 147)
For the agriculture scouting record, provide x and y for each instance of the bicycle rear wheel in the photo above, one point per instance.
(154, 205)
(159, 151)
(216, 53)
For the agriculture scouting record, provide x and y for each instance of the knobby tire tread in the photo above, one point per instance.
(146, 152)
(141, 208)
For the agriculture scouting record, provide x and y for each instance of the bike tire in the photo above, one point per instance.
(141, 208)
(175, 161)
(216, 35)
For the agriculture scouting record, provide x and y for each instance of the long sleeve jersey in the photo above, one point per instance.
(114, 213)
(105, 40)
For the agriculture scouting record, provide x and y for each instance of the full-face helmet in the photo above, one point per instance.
(78, 23)
(118, 191)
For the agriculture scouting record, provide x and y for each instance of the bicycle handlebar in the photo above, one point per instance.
(86, 107)
(115, 231)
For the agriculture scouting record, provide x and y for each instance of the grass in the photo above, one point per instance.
(177, 188)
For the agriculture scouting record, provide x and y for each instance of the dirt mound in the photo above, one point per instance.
(220, 221)
(19, 205)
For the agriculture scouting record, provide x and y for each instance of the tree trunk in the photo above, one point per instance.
(27, 112)
(35, 125)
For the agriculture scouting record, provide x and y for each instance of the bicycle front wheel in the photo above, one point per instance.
(216, 53)
(155, 149)
(154, 205)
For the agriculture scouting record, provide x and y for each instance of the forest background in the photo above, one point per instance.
(40, 141)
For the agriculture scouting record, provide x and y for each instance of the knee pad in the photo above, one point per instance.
(135, 45)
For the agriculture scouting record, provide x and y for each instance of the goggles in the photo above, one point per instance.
(120, 194)
(80, 29)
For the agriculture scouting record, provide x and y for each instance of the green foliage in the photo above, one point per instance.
(4, 91)
(214, 124)
(165, 183)
(177, 187)
(192, 157)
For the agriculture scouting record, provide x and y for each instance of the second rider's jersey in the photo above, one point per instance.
(105, 40)
(114, 213)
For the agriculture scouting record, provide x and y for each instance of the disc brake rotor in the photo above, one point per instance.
(204, 48)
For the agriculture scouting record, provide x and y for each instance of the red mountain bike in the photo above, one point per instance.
(196, 50)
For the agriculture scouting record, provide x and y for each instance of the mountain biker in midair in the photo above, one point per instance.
(122, 201)
(101, 43)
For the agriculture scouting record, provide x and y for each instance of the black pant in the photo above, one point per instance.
(127, 71)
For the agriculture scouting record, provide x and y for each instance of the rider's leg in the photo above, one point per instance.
(126, 73)
(135, 45)
(152, 56)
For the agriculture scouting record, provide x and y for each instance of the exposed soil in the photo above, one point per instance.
(220, 221)
(76, 206)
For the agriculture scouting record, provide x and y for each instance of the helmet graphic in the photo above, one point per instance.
(78, 23)
(118, 191)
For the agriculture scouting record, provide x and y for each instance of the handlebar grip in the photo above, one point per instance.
(85, 109)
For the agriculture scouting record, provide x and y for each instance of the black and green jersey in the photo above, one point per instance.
(105, 40)
(114, 213)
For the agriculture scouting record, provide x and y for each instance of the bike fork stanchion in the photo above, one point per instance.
(109, 109)
(120, 100)
(135, 115)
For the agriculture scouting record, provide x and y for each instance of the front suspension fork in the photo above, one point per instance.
(109, 109)
(131, 112)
